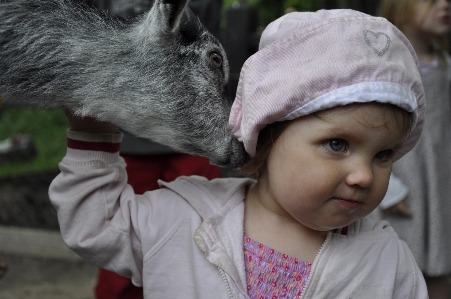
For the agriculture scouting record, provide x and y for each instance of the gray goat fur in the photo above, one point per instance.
(161, 76)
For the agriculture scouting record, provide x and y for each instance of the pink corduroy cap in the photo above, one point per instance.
(311, 61)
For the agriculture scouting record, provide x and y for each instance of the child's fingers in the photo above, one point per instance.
(400, 209)
(89, 124)
(404, 209)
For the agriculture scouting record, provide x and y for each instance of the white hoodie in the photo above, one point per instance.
(186, 239)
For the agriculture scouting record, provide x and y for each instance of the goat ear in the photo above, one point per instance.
(165, 15)
(190, 26)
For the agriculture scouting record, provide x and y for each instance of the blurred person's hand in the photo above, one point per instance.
(399, 209)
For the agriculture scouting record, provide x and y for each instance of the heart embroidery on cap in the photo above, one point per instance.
(379, 42)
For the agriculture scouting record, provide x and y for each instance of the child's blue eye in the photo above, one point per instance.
(383, 155)
(336, 145)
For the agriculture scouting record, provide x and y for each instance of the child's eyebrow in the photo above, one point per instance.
(341, 133)
(397, 147)
(341, 128)
(345, 134)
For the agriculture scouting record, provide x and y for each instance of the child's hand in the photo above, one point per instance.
(89, 124)
(400, 209)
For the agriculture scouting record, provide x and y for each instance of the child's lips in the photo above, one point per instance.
(349, 204)
(446, 19)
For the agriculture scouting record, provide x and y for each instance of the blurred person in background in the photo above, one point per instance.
(417, 203)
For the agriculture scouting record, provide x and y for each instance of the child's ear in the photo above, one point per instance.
(165, 16)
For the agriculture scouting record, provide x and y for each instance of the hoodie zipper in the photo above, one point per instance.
(315, 262)
(223, 275)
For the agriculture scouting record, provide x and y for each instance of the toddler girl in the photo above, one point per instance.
(426, 170)
(331, 99)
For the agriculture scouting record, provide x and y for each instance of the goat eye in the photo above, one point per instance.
(216, 59)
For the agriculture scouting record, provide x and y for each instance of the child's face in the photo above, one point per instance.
(432, 17)
(330, 169)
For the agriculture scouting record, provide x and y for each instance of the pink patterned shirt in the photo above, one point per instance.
(271, 274)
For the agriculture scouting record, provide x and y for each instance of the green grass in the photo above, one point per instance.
(48, 128)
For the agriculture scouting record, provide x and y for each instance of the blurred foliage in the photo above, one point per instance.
(48, 129)
(302, 5)
(269, 10)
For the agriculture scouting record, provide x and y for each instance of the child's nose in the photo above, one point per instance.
(360, 174)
